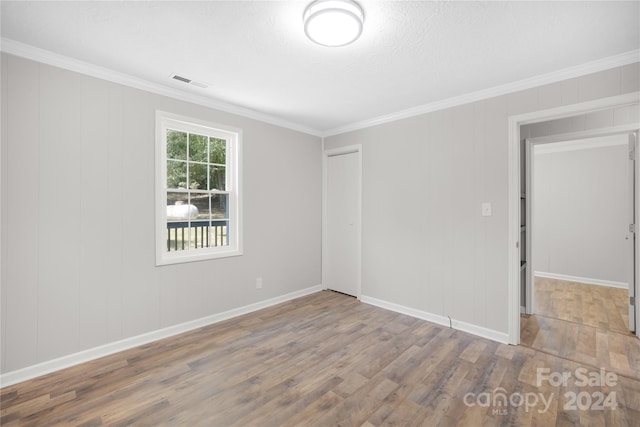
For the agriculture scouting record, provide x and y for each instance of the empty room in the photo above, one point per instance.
(319, 213)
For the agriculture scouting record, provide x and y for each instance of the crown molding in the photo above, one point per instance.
(47, 57)
(26, 51)
(541, 80)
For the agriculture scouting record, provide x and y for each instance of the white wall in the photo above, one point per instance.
(78, 241)
(580, 210)
(425, 244)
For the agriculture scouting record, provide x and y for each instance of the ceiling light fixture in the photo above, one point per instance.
(333, 23)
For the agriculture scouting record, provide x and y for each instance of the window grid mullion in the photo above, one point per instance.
(188, 157)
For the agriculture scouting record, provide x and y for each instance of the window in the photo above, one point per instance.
(198, 210)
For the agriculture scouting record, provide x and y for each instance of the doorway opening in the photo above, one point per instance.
(517, 253)
(579, 246)
(555, 308)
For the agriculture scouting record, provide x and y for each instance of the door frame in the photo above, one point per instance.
(339, 151)
(633, 229)
(514, 124)
(529, 145)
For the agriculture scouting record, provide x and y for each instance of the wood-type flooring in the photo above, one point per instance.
(584, 323)
(325, 359)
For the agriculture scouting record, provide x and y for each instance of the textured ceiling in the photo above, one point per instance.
(254, 54)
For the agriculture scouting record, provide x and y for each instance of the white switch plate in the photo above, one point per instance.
(259, 283)
(486, 209)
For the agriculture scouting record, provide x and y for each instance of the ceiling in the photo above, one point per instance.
(254, 54)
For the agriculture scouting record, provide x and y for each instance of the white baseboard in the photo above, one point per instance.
(480, 331)
(14, 377)
(586, 280)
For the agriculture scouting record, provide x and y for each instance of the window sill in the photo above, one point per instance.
(163, 259)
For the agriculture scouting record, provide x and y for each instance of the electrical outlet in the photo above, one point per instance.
(259, 283)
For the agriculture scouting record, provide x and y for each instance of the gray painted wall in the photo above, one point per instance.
(580, 212)
(77, 151)
(425, 244)
(597, 120)
(78, 242)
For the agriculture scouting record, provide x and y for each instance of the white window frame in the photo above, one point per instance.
(233, 136)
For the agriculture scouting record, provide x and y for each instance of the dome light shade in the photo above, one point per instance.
(333, 22)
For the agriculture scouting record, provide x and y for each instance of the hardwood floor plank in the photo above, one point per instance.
(584, 323)
(329, 360)
(592, 305)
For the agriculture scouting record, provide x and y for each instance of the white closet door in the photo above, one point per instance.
(342, 251)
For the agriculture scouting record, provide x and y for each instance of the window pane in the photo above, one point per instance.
(197, 176)
(178, 207)
(199, 231)
(198, 148)
(218, 233)
(218, 151)
(201, 202)
(211, 206)
(178, 213)
(219, 206)
(217, 177)
(177, 237)
(176, 145)
(176, 174)
(183, 236)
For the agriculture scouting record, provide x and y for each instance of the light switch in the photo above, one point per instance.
(486, 209)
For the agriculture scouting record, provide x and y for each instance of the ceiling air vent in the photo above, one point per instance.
(189, 81)
(180, 78)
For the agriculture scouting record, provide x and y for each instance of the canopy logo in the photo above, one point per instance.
(500, 401)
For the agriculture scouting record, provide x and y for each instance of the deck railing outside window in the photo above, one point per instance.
(196, 234)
